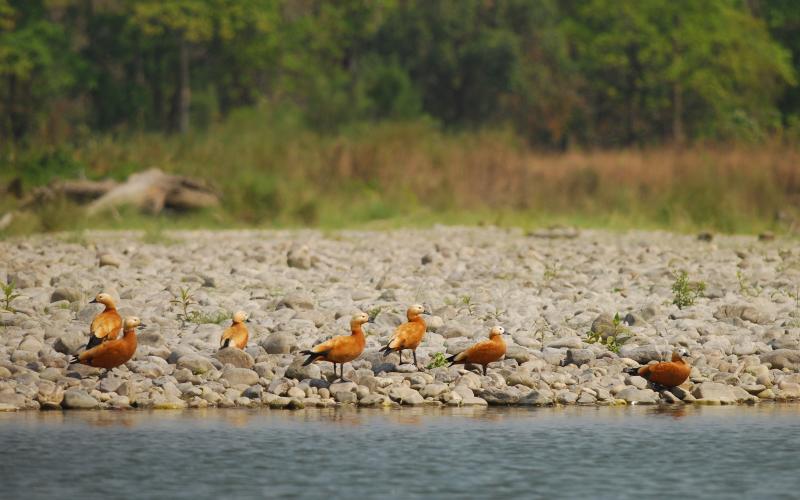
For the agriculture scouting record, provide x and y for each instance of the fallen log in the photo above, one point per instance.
(153, 190)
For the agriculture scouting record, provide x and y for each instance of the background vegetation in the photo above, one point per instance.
(655, 113)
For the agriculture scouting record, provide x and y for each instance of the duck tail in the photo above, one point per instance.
(312, 356)
(452, 359)
(226, 343)
(74, 359)
(385, 350)
(93, 341)
(632, 371)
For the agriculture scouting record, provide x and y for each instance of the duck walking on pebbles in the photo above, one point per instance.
(236, 335)
(408, 335)
(484, 352)
(341, 349)
(668, 373)
(112, 353)
(106, 325)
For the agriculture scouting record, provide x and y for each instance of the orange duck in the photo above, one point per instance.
(408, 335)
(107, 324)
(112, 353)
(236, 335)
(668, 373)
(341, 349)
(484, 352)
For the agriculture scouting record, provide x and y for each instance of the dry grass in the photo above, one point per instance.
(282, 174)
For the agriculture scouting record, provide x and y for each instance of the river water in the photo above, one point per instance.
(688, 452)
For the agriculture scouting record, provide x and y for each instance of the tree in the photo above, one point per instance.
(662, 67)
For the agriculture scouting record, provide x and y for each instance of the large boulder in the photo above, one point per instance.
(635, 395)
(235, 357)
(240, 376)
(579, 357)
(196, 363)
(297, 371)
(70, 343)
(783, 358)
(714, 393)
(279, 343)
(744, 312)
(78, 399)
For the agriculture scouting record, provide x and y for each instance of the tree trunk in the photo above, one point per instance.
(184, 87)
(678, 135)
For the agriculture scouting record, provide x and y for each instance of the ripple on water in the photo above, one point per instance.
(713, 452)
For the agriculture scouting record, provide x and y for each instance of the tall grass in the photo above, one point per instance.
(272, 171)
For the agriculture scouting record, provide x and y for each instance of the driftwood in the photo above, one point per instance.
(151, 191)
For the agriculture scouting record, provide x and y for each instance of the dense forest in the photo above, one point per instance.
(590, 73)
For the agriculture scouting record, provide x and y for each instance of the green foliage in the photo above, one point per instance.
(200, 318)
(685, 292)
(745, 287)
(438, 360)
(602, 72)
(184, 298)
(9, 294)
(614, 339)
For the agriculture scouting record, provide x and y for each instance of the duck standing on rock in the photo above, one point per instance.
(236, 335)
(667, 373)
(112, 353)
(484, 352)
(343, 348)
(106, 325)
(408, 335)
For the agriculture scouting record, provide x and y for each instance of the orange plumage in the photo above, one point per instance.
(341, 349)
(236, 335)
(408, 335)
(112, 353)
(484, 352)
(106, 325)
(668, 373)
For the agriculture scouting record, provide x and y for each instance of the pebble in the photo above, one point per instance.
(744, 349)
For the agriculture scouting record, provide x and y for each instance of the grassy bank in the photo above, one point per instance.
(273, 172)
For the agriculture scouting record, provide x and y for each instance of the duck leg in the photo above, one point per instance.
(484, 370)
(414, 352)
(400, 353)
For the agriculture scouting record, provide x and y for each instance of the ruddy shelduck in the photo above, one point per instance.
(408, 335)
(107, 324)
(112, 353)
(484, 352)
(236, 335)
(667, 373)
(341, 349)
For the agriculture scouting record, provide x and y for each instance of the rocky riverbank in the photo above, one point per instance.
(552, 291)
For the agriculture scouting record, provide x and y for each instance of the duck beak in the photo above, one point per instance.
(142, 325)
(93, 301)
(247, 320)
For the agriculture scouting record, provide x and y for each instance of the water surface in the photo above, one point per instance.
(709, 452)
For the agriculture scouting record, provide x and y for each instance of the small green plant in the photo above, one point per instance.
(685, 292)
(495, 315)
(374, 312)
(745, 287)
(202, 318)
(184, 299)
(550, 271)
(438, 360)
(620, 335)
(466, 303)
(9, 294)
